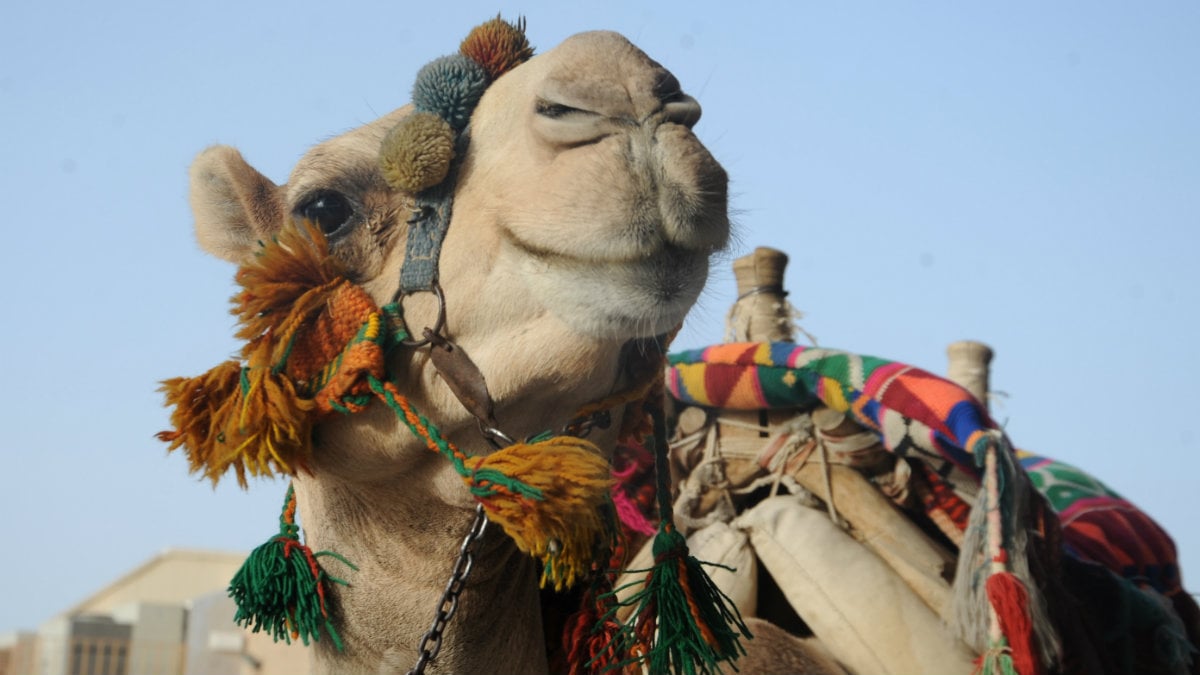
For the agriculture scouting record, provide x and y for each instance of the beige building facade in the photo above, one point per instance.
(168, 616)
(17, 653)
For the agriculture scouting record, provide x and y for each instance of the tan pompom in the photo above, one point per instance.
(416, 153)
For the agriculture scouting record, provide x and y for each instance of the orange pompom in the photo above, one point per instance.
(498, 46)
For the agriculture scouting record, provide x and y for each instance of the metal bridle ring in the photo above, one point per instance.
(441, 316)
(497, 438)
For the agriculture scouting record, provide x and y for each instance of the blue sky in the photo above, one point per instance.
(1025, 175)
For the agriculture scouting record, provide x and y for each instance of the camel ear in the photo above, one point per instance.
(235, 206)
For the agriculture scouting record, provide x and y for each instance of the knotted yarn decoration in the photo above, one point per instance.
(317, 346)
(549, 495)
(682, 622)
(282, 589)
(591, 636)
(566, 472)
(252, 416)
(994, 596)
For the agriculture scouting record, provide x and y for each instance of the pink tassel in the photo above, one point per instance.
(627, 509)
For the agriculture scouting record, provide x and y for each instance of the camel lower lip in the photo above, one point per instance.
(623, 300)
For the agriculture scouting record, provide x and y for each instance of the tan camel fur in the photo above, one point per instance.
(585, 214)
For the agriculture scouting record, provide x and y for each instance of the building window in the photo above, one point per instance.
(76, 660)
(106, 661)
(120, 661)
(91, 659)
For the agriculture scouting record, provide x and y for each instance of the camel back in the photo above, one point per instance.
(859, 489)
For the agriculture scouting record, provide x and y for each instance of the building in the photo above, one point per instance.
(169, 616)
(17, 653)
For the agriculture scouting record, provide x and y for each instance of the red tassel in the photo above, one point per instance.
(591, 636)
(1010, 601)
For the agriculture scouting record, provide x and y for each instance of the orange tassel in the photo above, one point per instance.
(250, 420)
(198, 403)
(255, 416)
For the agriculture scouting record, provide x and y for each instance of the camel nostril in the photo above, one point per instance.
(682, 109)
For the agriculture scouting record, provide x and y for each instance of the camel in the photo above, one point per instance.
(585, 212)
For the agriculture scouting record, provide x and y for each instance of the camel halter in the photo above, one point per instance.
(317, 346)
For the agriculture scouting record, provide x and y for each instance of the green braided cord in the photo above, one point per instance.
(287, 353)
(393, 321)
(434, 434)
(544, 436)
(662, 468)
(287, 526)
(483, 482)
(281, 589)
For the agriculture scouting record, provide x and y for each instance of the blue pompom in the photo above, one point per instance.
(450, 87)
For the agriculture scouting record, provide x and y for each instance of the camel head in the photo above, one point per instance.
(583, 194)
(582, 215)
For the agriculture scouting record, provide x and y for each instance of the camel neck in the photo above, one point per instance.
(404, 540)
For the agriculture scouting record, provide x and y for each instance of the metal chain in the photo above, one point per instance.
(431, 642)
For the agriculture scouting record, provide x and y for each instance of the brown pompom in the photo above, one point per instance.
(416, 153)
(498, 46)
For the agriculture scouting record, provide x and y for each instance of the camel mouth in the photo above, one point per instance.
(634, 298)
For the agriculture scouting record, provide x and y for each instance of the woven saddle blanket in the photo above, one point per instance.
(927, 418)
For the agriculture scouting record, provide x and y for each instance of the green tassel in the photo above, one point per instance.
(683, 623)
(281, 588)
(688, 622)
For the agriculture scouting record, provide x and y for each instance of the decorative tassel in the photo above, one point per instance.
(1010, 602)
(250, 419)
(683, 623)
(252, 416)
(550, 497)
(683, 613)
(997, 660)
(996, 611)
(198, 402)
(282, 589)
(591, 636)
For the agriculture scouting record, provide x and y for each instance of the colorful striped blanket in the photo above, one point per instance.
(1102, 527)
(926, 417)
(913, 411)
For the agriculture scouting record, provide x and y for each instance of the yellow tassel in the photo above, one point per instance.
(549, 496)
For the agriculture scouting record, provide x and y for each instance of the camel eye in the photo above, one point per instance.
(330, 211)
(555, 110)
